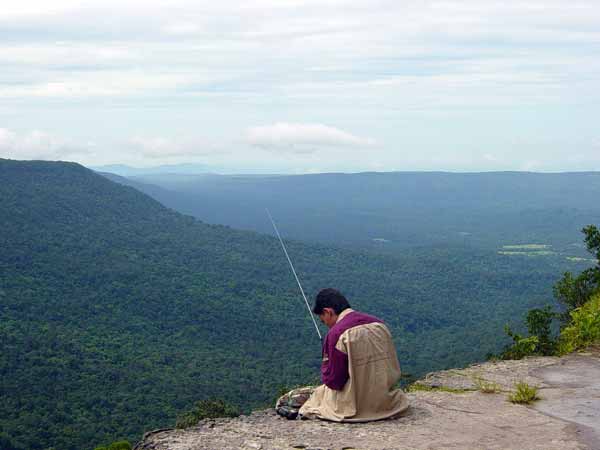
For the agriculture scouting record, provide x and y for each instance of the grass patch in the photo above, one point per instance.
(526, 250)
(527, 247)
(580, 259)
(534, 253)
(487, 387)
(524, 394)
(418, 387)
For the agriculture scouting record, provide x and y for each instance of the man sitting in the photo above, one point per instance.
(359, 367)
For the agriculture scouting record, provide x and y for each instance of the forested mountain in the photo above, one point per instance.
(390, 211)
(116, 312)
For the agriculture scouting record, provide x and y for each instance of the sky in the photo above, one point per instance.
(303, 86)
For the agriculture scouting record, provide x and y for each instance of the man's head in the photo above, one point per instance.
(329, 303)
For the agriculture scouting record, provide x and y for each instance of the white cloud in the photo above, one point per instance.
(97, 84)
(532, 165)
(267, 46)
(73, 54)
(302, 137)
(40, 145)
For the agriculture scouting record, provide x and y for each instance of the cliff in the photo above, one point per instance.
(449, 410)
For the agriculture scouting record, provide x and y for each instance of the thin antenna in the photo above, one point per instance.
(294, 272)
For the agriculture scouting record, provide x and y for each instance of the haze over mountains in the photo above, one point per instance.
(125, 170)
(390, 211)
(117, 313)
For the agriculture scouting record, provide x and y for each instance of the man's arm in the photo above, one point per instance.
(334, 369)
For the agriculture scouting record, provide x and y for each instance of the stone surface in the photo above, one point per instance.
(567, 417)
(573, 394)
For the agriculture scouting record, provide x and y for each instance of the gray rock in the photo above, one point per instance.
(568, 417)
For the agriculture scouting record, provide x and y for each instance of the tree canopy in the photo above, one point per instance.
(116, 313)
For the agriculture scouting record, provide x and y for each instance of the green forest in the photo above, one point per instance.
(117, 313)
(387, 212)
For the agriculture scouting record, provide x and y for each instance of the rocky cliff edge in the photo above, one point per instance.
(452, 409)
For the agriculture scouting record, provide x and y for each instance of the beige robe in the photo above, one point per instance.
(374, 369)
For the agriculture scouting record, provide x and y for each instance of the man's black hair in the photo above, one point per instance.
(330, 298)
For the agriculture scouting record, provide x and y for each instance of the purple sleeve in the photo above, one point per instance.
(334, 370)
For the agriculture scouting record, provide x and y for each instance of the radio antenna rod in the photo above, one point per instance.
(295, 276)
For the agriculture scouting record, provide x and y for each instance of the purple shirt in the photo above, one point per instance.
(334, 369)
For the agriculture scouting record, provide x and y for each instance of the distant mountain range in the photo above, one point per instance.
(124, 170)
(170, 169)
(395, 210)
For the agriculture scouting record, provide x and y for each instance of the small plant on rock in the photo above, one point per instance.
(119, 445)
(206, 409)
(487, 387)
(524, 394)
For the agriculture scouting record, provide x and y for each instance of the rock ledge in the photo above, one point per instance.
(448, 412)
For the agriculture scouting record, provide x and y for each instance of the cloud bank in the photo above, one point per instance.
(303, 137)
(40, 145)
(161, 147)
(440, 85)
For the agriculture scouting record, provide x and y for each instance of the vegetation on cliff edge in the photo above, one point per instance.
(579, 297)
